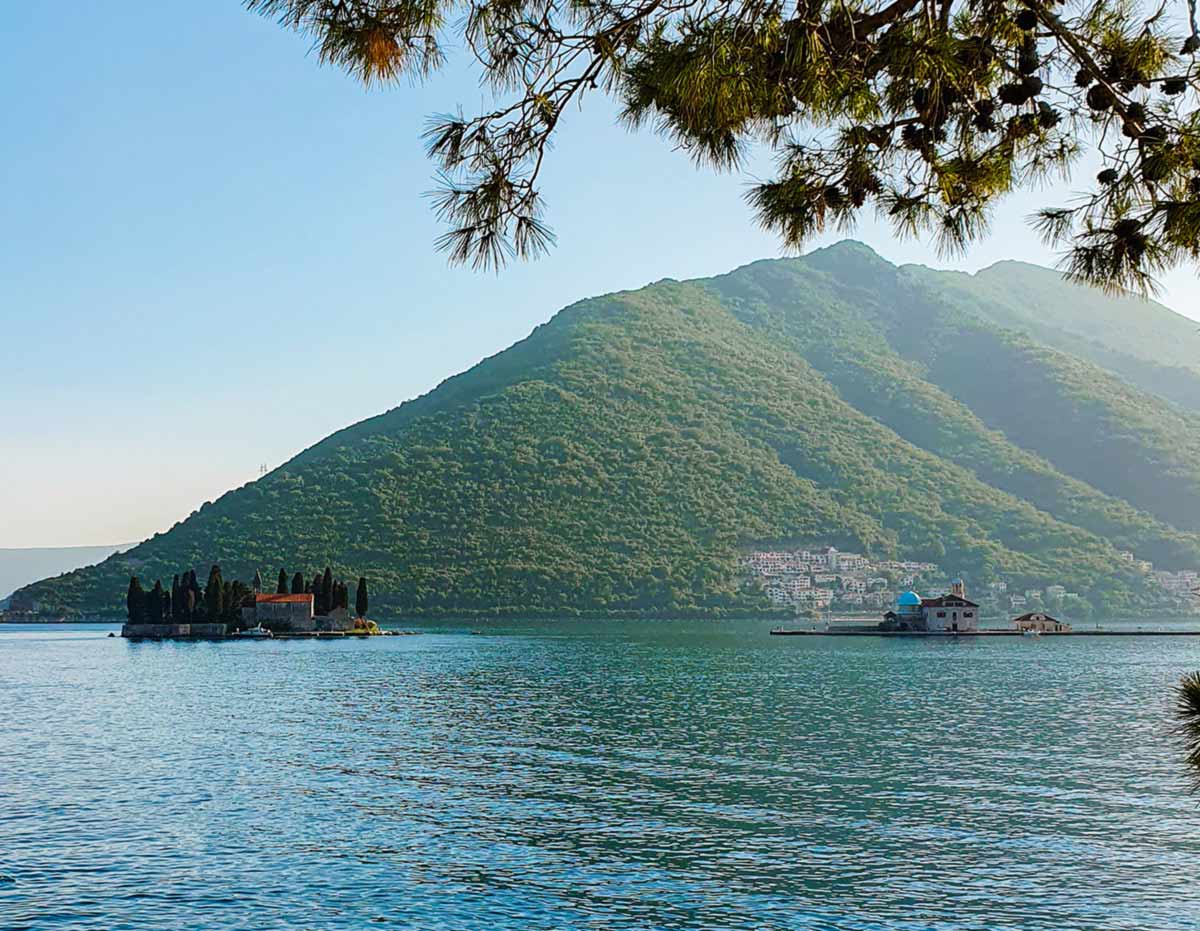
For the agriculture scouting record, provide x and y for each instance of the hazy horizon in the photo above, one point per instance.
(21, 565)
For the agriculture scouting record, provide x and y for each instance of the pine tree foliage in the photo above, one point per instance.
(925, 112)
(1187, 716)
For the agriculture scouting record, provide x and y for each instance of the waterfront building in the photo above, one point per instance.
(1041, 622)
(288, 612)
(906, 615)
(293, 613)
(949, 613)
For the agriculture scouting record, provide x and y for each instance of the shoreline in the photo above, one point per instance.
(846, 620)
(986, 632)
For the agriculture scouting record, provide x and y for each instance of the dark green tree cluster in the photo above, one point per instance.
(925, 111)
(221, 601)
(218, 602)
(185, 601)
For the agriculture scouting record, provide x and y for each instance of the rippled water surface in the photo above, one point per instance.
(593, 775)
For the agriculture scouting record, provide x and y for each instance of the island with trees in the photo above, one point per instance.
(317, 607)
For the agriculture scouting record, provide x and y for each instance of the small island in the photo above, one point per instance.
(223, 609)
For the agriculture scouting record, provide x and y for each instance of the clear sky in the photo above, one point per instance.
(216, 252)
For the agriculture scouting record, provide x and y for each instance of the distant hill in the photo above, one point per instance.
(21, 566)
(620, 457)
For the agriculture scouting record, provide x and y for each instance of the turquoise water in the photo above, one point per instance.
(594, 776)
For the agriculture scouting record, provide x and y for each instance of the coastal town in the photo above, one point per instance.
(818, 580)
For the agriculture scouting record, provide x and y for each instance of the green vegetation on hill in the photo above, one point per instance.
(621, 457)
(948, 381)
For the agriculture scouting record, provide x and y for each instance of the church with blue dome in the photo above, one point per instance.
(951, 613)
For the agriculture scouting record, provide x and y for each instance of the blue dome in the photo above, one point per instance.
(909, 599)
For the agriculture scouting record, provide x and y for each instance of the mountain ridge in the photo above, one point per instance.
(620, 457)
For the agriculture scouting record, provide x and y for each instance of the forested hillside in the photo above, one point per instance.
(621, 457)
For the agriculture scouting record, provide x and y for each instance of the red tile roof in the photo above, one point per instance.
(281, 599)
(947, 601)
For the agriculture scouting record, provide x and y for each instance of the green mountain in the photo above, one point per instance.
(620, 458)
(20, 566)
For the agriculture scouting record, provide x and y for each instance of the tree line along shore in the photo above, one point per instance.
(223, 601)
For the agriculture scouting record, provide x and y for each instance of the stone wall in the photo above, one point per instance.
(338, 619)
(173, 631)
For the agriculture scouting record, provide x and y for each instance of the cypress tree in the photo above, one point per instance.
(189, 604)
(168, 607)
(360, 597)
(297, 584)
(155, 604)
(281, 587)
(176, 597)
(214, 594)
(197, 594)
(327, 591)
(343, 600)
(257, 583)
(135, 601)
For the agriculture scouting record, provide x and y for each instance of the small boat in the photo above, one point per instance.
(255, 633)
(1031, 633)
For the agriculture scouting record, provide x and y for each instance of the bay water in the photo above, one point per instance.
(595, 775)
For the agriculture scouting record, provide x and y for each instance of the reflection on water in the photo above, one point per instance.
(594, 775)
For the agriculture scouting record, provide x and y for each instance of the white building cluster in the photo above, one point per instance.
(1178, 583)
(823, 578)
(820, 578)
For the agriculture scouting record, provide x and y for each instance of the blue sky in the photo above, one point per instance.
(216, 252)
